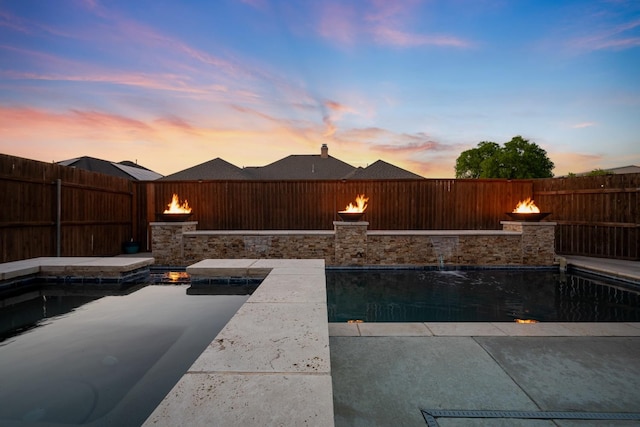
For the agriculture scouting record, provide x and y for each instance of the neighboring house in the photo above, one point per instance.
(295, 167)
(624, 169)
(615, 171)
(125, 169)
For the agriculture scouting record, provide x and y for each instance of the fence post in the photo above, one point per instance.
(58, 215)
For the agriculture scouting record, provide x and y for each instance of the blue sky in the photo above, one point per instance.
(414, 83)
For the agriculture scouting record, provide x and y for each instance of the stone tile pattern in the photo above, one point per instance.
(276, 246)
(538, 241)
(437, 250)
(167, 241)
(350, 244)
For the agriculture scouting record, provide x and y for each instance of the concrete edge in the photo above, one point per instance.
(83, 267)
(269, 365)
(471, 329)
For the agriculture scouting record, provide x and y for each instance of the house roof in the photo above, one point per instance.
(125, 169)
(300, 167)
(382, 170)
(616, 171)
(294, 167)
(213, 169)
(625, 169)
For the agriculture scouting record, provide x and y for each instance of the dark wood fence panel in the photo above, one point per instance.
(96, 211)
(597, 216)
(313, 205)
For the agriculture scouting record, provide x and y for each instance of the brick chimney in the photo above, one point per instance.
(324, 151)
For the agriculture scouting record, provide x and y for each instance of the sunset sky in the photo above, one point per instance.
(172, 84)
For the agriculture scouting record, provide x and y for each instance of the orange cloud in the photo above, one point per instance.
(170, 143)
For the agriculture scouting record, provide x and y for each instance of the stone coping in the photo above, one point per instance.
(176, 223)
(533, 223)
(449, 233)
(87, 267)
(258, 232)
(270, 365)
(512, 329)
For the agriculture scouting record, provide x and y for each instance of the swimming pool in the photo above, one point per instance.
(79, 356)
(477, 296)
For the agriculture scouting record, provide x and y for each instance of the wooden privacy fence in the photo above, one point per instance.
(597, 216)
(313, 205)
(47, 209)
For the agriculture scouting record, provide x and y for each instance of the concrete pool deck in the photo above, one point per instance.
(386, 373)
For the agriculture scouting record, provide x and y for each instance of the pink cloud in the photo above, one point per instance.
(338, 22)
(583, 125)
(383, 22)
(609, 37)
(391, 36)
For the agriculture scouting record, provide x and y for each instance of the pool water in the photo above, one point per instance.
(477, 296)
(102, 360)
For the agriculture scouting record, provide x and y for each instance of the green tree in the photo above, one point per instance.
(599, 172)
(518, 159)
(472, 162)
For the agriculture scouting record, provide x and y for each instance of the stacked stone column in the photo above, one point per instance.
(350, 243)
(167, 243)
(538, 241)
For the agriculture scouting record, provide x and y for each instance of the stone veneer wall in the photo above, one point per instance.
(350, 244)
(535, 235)
(199, 245)
(167, 241)
(461, 249)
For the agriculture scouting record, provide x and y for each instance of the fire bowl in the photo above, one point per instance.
(350, 216)
(174, 217)
(533, 216)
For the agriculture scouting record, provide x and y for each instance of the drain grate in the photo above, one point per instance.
(431, 415)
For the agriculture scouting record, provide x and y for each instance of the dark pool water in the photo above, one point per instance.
(68, 357)
(477, 296)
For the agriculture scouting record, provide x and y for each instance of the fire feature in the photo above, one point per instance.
(176, 211)
(354, 212)
(526, 210)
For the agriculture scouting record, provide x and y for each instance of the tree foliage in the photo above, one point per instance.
(519, 158)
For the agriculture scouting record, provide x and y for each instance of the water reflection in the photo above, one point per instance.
(103, 360)
(475, 295)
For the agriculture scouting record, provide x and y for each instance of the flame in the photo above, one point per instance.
(526, 321)
(527, 206)
(175, 207)
(361, 204)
